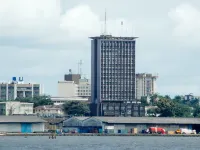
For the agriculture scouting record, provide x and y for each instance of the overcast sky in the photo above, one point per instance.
(42, 39)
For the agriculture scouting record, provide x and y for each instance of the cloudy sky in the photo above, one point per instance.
(41, 39)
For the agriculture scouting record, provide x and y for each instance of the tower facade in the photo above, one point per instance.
(145, 85)
(113, 76)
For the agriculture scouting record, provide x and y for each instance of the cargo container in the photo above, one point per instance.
(157, 130)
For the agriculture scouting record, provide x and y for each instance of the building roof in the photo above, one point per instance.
(146, 120)
(49, 107)
(15, 102)
(21, 119)
(110, 37)
(74, 98)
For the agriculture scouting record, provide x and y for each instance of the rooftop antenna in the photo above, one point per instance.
(79, 67)
(105, 28)
(122, 23)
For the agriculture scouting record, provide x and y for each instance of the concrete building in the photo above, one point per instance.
(62, 100)
(71, 89)
(113, 76)
(49, 111)
(15, 108)
(127, 124)
(67, 89)
(72, 77)
(14, 89)
(84, 88)
(145, 85)
(23, 124)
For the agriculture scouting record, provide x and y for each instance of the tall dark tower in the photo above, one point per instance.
(113, 76)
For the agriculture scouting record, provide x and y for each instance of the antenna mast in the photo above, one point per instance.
(79, 67)
(105, 29)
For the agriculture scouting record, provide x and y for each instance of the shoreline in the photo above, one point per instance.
(98, 134)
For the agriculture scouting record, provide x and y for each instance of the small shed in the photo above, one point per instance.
(22, 124)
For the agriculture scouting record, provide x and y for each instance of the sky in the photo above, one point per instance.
(42, 39)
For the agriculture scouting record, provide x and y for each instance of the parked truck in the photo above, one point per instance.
(185, 131)
(158, 130)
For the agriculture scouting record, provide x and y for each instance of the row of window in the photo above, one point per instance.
(84, 90)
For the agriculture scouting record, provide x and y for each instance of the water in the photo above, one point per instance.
(99, 143)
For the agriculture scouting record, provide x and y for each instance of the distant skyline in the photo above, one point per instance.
(42, 39)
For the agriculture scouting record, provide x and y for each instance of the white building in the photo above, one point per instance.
(21, 124)
(84, 88)
(70, 89)
(49, 110)
(145, 85)
(15, 108)
(67, 89)
(62, 100)
(12, 90)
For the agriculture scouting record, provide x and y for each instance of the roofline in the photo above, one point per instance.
(149, 123)
(110, 37)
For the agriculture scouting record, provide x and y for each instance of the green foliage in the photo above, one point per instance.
(152, 112)
(197, 112)
(37, 100)
(144, 101)
(178, 99)
(153, 99)
(76, 108)
(170, 108)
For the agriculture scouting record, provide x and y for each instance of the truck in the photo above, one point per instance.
(158, 130)
(185, 131)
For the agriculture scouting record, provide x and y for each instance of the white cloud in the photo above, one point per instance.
(187, 21)
(37, 39)
(28, 17)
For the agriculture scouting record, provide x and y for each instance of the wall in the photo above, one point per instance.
(67, 89)
(140, 127)
(84, 90)
(38, 127)
(16, 127)
(26, 108)
(19, 108)
(49, 111)
(10, 127)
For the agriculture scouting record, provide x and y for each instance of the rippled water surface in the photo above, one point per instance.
(99, 143)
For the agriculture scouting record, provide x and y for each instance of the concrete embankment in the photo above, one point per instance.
(98, 134)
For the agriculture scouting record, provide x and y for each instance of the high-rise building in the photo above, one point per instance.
(145, 85)
(19, 89)
(113, 76)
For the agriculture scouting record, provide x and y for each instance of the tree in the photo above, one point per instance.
(37, 100)
(144, 101)
(76, 108)
(169, 108)
(152, 112)
(197, 112)
(153, 99)
(178, 99)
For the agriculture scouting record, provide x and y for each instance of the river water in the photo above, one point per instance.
(99, 143)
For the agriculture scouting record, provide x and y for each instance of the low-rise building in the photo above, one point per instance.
(15, 108)
(49, 111)
(72, 89)
(19, 89)
(23, 124)
(127, 124)
(62, 100)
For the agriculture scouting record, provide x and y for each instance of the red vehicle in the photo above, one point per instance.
(157, 130)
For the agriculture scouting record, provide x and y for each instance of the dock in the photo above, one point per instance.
(99, 134)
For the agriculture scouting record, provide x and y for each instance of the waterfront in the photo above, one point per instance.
(98, 143)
